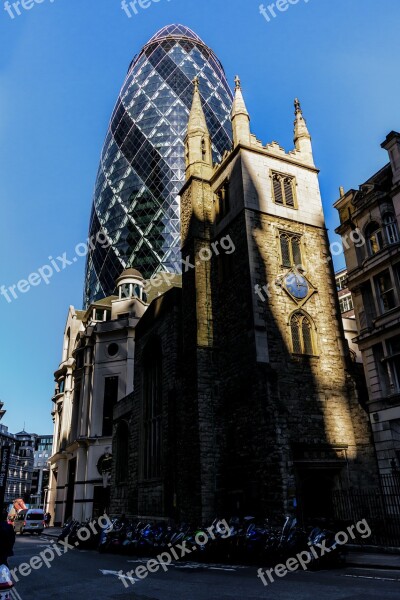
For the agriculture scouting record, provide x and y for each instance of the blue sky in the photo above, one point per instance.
(62, 64)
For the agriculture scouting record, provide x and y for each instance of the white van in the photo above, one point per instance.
(31, 520)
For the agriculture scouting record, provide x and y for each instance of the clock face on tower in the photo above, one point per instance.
(297, 285)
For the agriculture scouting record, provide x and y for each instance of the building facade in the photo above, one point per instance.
(251, 406)
(373, 276)
(20, 471)
(346, 306)
(15, 480)
(41, 472)
(142, 167)
(96, 371)
(148, 424)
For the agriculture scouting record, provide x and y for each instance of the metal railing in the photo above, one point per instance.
(379, 507)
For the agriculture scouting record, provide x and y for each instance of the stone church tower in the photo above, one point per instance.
(273, 417)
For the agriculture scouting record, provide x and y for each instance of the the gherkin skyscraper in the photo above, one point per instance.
(142, 164)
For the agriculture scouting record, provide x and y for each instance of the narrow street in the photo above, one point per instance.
(91, 576)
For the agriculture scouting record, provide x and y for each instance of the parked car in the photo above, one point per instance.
(30, 520)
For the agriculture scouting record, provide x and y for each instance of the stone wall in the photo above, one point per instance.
(155, 497)
(248, 426)
(277, 417)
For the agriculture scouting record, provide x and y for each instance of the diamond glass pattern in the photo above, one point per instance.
(142, 165)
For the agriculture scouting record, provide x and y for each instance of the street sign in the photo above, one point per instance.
(4, 464)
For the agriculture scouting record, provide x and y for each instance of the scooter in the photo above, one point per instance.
(112, 536)
(293, 539)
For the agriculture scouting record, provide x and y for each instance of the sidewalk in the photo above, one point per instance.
(52, 531)
(354, 558)
(376, 560)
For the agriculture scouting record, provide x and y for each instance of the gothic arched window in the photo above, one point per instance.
(302, 334)
(290, 250)
(222, 205)
(284, 189)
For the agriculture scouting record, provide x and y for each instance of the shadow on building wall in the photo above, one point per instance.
(241, 423)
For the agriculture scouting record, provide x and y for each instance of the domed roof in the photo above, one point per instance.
(130, 273)
(175, 31)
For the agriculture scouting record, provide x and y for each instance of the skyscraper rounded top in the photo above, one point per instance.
(169, 35)
(136, 205)
(175, 31)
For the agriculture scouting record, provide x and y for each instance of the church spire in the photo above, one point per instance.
(198, 140)
(197, 121)
(240, 117)
(302, 138)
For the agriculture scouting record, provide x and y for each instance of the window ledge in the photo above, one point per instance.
(285, 205)
(300, 269)
(381, 251)
(376, 320)
(390, 357)
(151, 481)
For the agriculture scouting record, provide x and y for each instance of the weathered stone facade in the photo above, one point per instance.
(159, 328)
(272, 421)
(370, 225)
(250, 422)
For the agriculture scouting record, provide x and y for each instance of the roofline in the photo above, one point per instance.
(351, 190)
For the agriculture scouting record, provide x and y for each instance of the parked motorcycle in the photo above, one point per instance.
(239, 540)
(68, 528)
(330, 553)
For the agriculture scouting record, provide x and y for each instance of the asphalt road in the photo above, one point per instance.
(87, 575)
